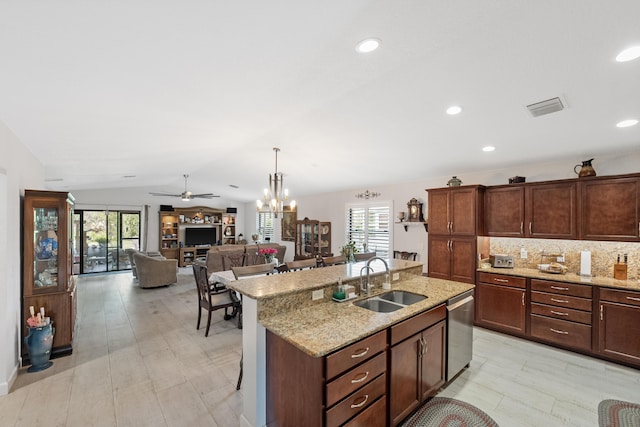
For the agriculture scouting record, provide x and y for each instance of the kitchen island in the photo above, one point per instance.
(283, 306)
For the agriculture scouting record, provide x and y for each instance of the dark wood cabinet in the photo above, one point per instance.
(501, 303)
(48, 281)
(416, 363)
(610, 208)
(455, 219)
(619, 325)
(541, 210)
(455, 211)
(452, 258)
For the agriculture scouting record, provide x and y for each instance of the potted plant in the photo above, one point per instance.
(268, 253)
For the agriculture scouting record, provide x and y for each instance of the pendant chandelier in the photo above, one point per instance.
(276, 194)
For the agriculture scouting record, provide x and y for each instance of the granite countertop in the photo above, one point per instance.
(328, 326)
(566, 277)
(278, 285)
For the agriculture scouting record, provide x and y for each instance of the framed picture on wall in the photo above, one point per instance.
(288, 224)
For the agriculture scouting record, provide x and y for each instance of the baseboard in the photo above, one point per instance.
(5, 387)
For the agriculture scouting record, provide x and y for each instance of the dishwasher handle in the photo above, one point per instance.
(460, 303)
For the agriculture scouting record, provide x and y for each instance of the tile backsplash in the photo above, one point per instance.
(603, 254)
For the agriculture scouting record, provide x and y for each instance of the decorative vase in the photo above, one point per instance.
(39, 342)
(348, 252)
(268, 258)
(454, 182)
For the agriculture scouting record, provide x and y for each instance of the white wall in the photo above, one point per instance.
(19, 170)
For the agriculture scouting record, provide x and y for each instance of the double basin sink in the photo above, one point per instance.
(390, 301)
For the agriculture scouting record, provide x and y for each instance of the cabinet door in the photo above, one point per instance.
(439, 261)
(463, 260)
(463, 212)
(501, 307)
(433, 360)
(551, 211)
(610, 209)
(504, 211)
(619, 332)
(438, 211)
(404, 374)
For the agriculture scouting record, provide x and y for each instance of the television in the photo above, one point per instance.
(194, 236)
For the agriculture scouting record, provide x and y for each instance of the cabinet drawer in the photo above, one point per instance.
(417, 323)
(499, 279)
(561, 332)
(355, 353)
(355, 378)
(374, 416)
(561, 313)
(357, 402)
(624, 297)
(575, 303)
(584, 291)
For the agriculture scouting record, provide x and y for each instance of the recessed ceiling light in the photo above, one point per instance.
(454, 109)
(627, 123)
(488, 148)
(367, 45)
(629, 54)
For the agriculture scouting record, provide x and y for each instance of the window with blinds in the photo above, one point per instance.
(264, 225)
(370, 225)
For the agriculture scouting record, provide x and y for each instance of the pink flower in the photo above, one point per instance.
(268, 251)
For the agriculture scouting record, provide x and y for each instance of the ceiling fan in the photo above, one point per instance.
(187, 195)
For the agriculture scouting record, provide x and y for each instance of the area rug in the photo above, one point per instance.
(446, 412)
(616, 413)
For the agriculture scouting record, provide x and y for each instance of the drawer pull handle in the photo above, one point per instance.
(361, 404)
(495, 279)
(633, 298)
(559, 288)
(559, 300)
(363, 376)
(362, 353)
(559, 313)
(559, 332)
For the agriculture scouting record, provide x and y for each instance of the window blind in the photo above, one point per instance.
(370, 225)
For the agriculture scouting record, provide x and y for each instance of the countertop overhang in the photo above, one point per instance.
(566, 277)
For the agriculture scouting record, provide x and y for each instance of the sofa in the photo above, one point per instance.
(220, 258)
(155, 271)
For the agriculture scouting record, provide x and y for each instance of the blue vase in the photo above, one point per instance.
(39, 342)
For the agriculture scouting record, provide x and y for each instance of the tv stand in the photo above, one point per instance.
(189, 254)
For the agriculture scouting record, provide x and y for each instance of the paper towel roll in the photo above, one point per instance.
(585, 263)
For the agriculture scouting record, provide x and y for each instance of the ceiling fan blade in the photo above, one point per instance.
(166, 194)
(205, 195)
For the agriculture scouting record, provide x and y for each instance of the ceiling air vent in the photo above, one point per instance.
(545, 107)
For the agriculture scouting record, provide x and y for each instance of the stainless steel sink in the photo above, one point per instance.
(378, 305)
(402, 297)
(390, 301)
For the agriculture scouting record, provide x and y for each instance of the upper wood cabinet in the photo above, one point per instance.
(610, 208)
(456, 211)
(544, 210)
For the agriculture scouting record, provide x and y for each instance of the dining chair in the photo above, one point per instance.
(253, 270)
(334, 260)
(411, 256)
(363, 256)
(233, 259)
(301, 264)
(213, 297)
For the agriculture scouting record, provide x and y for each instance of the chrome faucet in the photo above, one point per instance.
(365, 286)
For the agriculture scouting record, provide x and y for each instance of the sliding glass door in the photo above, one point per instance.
(103, 237)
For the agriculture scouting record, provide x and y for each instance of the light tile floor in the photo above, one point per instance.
(139, 361)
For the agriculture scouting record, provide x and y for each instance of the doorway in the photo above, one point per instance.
(101, 237)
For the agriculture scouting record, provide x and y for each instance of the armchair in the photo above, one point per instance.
(154, 272)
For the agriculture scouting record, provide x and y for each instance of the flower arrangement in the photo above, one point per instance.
(268, 251)
(349, 249)
(37, 320)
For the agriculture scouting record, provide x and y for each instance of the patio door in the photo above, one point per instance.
(103, 236)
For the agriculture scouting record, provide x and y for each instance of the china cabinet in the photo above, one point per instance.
(48, 281)
(313, 238)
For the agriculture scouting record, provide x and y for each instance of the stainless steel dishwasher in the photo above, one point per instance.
(460, 312)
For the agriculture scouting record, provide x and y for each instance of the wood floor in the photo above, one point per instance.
(139, 361)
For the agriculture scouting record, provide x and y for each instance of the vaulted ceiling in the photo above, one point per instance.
(100, 90)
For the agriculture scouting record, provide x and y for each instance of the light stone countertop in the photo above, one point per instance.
(566, 277)
(329, 326)
(278, 285)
